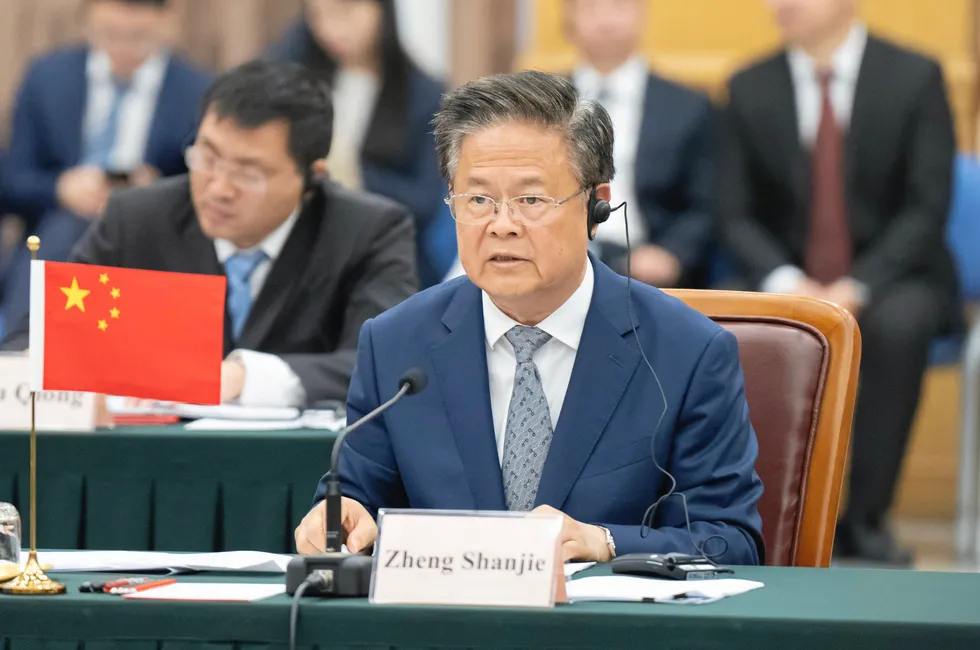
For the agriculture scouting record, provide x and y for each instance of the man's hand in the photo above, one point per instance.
(84, 191)
(655, 266)
(144, 175)
(358, 523)
(232, 380)
(579, 542)
(809, 288)
(846, 294)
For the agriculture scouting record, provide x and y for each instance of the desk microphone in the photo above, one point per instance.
(412, 382)
(334, 573)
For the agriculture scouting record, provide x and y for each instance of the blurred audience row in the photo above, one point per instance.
(828, 173)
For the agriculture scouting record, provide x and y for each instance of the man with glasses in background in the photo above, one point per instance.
(307, 262)
(542, 397)
(118, 111)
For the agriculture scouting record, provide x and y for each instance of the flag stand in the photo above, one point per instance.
(33, 581)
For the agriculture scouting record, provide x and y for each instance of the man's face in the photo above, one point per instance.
(521, 265)
(244, 183)
(802, 21)
(128, 33)
(605, 30)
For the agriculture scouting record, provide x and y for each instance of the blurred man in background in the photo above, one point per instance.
(665, 147)
(307, 262)
(836, 182)
(118, 111)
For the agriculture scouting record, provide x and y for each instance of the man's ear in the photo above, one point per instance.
(318, 170)
(603, 191)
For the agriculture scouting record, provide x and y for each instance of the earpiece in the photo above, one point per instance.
(599, 211)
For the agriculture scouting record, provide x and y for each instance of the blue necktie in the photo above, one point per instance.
(528, 435)
(98, 147)
(239, 269)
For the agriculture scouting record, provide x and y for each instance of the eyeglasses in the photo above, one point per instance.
(528, 210)
(247, 179)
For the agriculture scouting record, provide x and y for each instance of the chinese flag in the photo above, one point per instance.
(146, 334)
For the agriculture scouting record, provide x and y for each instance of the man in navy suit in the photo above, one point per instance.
(540, 396)
(665, 153)
(119, 111)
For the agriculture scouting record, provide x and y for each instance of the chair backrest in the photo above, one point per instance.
(800, 358)
(963, 228)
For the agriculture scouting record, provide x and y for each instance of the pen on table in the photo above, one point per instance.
(98, 587)
(121, 591)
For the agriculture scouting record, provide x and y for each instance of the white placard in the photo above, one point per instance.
(466, 558)
(55, 410)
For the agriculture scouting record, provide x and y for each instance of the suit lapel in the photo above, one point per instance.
(167, 106)
(284, 279)
(198, 255)
(75, 96)
(866, 91)
(604, 364)
(460, 364)
(794, 158)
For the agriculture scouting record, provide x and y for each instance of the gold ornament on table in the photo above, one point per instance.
(32, 581)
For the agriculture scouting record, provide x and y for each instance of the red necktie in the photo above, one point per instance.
(828, 245)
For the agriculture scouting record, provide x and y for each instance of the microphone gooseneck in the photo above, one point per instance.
(412, 382)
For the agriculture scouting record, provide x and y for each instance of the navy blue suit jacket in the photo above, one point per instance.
(675, 175)
(46, 138)
(437, 449)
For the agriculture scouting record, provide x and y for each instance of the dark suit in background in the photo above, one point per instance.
(398, 155)
(47, 139)
(674, 178)
(899, 152)
(348, 258)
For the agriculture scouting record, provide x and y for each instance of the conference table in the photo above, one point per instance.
(167, 489)
(798, 608)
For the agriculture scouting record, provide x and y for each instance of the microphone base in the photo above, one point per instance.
(344, 575)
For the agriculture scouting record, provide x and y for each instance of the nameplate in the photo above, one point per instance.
(54, 410)
(467, 558)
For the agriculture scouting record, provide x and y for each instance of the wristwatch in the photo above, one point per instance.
(610, 542)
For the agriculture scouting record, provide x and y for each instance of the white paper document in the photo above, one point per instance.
(95, 561)
(228, 592)
(117, 405)
(217, 424)
(571, 568)
(623, 588)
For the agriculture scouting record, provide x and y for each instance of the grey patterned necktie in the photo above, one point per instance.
(529, 429)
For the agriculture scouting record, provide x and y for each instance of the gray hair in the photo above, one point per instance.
(535, 97)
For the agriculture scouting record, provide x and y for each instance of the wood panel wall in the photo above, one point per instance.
(701, 42)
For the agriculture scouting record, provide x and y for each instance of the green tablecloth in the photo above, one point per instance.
(799, 608)
(163, 488)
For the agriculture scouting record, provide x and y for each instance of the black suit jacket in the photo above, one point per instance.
(899, 151)
(348, 258)
(675, 177)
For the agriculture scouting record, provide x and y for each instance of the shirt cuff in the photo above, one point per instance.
(269, 381)
(784, 279)
(862, 290)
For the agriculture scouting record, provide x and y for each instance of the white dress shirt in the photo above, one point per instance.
(136, 113)
(625, 91)
(554, 360)
(354, 96)
(846, 64)
(269, 381)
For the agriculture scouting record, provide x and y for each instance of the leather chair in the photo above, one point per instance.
(800, 358)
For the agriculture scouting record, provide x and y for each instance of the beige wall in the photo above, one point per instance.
(215, 33)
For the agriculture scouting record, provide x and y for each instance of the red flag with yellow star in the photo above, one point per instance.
(146, 334)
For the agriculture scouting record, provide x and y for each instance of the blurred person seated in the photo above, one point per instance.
(836, 183)
(383, 108)
(307, 261)
(118, 111)
(665, 150)
(540, 400)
